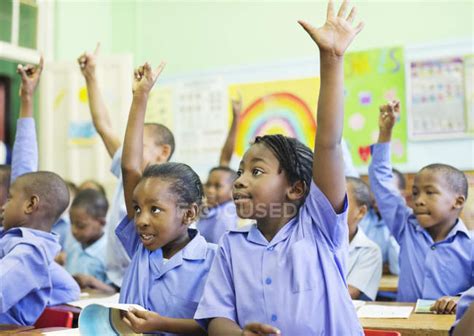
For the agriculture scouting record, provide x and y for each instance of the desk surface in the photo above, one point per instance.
(415, 325)
(389, 283)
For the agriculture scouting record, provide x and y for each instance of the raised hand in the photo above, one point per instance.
(88, 61)
(388, 115)
(337, 32)
(144, 78)
(236, 107)
(259, 329)
(30, 75)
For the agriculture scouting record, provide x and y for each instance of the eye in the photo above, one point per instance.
(239, 172)
(257, 172)
(155, 210)
(137, 209)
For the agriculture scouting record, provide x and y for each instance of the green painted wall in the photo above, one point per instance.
(200, 35)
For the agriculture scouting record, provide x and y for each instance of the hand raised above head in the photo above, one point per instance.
(145, 77)
(237, 106)
(87, 62)
(337, 33)
(30, 75)
(388, 115)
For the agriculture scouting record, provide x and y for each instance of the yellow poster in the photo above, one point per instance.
(285, 107)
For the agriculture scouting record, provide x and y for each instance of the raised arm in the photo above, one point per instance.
(390, 202)
(99, 112)
(132, 157)
(25, 148)
(332, 38)
(229, 145)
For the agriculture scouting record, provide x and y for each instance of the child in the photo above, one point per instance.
(221, 216)
(5, 172)
(365, 259)
(464, 324)
(27, 247)
(435, 246)
(170, 262)
(159, 146)
(288, 269)
(92, 184)
(86, 260)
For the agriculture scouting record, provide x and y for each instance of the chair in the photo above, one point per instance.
(369, 332)
(52, 317)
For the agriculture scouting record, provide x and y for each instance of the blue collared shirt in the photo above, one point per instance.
(171, 288)
(364, 269)
(25, 276)
(218, 221)
(428, 270)
(89, 260)
(117, 259)
(296, 282)
(463, 305)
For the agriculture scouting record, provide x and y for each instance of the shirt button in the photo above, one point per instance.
(271, 248)
(433, 248)
(268, 281)
(274, 318)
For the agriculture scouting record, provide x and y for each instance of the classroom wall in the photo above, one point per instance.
(204, 36)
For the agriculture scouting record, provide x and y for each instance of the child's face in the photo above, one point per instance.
(12, 211)
(355, 212)
(434, 201)
(218, 188)
(152, 153)
(86, 228)
(261, 187)
(158, 219)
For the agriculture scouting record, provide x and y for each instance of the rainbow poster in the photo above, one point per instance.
(372, 78)
(280, 107)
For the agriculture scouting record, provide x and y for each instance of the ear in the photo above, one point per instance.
(190, 214)
(459, 202)
(296, 191)
(32, 204)
(165, 152)
(361, 213)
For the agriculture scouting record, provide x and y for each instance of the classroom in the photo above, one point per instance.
(236, 167)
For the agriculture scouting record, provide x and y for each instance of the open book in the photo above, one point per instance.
(105, 319)
(423, 306)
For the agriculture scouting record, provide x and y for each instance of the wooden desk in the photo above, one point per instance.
(415, 325)
(389, 283)
(9, 329)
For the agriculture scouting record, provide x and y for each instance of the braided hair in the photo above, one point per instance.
(295, 158)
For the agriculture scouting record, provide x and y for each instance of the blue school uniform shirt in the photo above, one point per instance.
(296, 282)
(428, 270)
(218, 221)
(171, 287)
(65, 288)
(25, 277)
(463, 305)
(89, 260)
(117, 259)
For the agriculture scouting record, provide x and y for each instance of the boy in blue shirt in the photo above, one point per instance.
(86, 259)
(436, 249)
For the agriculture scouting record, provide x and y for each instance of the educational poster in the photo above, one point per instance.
(437, 98)
(469, 90)
(279, 107)
(372, 78)
(159, 108)
(201, 128)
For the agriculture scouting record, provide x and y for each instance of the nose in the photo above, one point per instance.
(419, 201)
(240, 182)
(140, 221)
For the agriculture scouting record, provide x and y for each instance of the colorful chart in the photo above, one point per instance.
(279, 107)
(372, 78)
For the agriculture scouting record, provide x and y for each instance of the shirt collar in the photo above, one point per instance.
(255, 236)
(196, 249)
(360, 240)
(97, 246)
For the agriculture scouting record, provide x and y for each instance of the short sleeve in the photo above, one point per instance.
(116, 165)
(367, 272)
(127, 234)
(320, 210)
(218, 299)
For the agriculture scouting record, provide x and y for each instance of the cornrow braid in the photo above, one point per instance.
(295, 158)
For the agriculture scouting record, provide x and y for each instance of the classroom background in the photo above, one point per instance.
(216, 50)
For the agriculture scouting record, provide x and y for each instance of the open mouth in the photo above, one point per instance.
(146, 238)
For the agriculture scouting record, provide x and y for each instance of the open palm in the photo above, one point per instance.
(337, 32)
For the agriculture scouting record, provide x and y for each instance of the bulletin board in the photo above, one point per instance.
(285, 107)
(372, 78)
